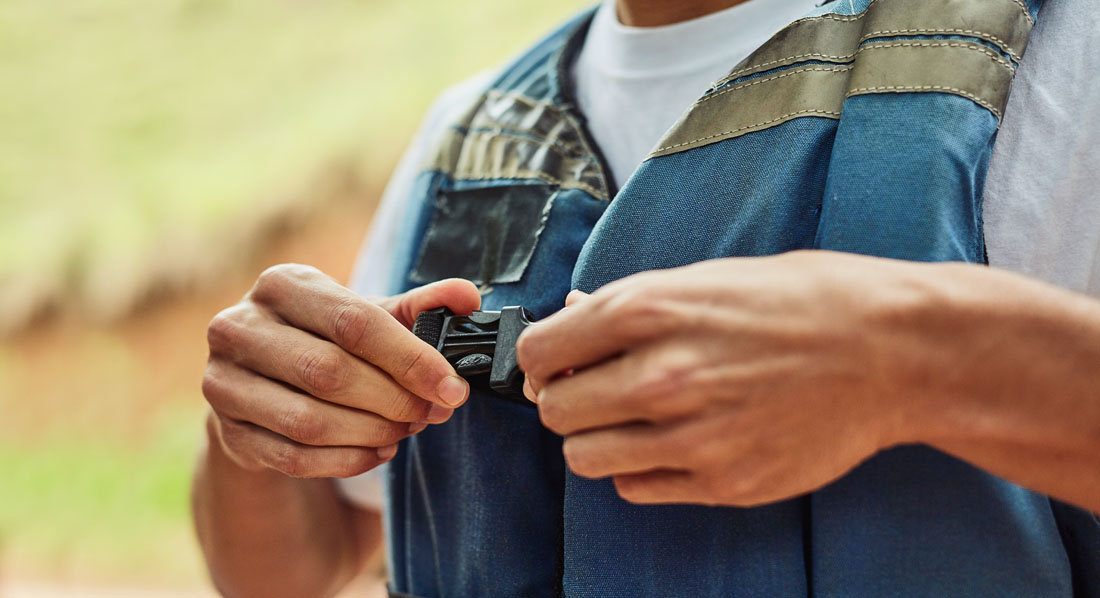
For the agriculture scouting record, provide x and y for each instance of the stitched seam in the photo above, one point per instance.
(849, 19)
(747, 127)
(954, 90)
(978, 34)
(763, 66)
(992, 56)
(833, 69)
(1027, 13)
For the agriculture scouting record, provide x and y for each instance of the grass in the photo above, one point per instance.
(87, 507)
(141, 142)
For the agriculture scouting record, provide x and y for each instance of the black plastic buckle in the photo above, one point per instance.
(480, 346)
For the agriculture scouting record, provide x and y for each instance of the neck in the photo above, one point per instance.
(654, 13)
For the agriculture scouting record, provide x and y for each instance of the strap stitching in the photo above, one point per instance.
(746, 127)
(954, 90)
(972, 32)
(832, 69)
(965, 45)
(856, 17)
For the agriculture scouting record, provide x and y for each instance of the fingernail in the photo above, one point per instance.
(452, 390)
(438, 414)
(416, 427)
(387, 452)
(529, 391)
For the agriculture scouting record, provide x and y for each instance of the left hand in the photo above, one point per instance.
(731, 382)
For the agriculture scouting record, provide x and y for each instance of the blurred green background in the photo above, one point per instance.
(155, 155)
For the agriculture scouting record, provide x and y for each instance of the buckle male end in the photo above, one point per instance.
(480, 346)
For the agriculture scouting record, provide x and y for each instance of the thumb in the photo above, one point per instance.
(459, 295)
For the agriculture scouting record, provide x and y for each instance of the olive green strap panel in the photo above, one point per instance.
(834, 38)
(855, 66)
(510, 136)
(812, 90)
(966, 69)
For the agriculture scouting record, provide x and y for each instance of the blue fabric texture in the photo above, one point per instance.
(484, 506)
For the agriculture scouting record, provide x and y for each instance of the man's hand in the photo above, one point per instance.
(308, 379)
(733, 382)
(746, 381)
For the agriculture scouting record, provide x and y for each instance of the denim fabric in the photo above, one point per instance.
(474, 506)
(483, 505)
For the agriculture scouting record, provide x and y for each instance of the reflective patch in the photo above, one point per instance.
(508, 136)
(828, 58)
(486, 235)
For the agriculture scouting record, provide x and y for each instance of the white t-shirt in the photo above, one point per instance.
(1042, 195)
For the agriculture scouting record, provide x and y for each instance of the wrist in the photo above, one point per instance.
(993, 355)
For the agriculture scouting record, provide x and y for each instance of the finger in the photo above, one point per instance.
(616, 318)
(574, 296)
(251, 443)
(633, 448)
(460, 296)
(639, 386)
(662, 487)
(318, 368)
(529, 391)
(245, 396)
(312, 301)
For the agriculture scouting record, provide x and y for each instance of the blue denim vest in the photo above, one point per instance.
(863, 127)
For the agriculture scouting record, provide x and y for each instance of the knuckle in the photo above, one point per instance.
(223, 331)
(727, 489)
(276, 280)
(355, 463)
(321, 371)
(303, 424)
(421, 377)
(401, 406)
(232, 434)
(578, 457)
(350, 323)
(699, 454)
(292, 461)
(668, 388)
(553, 416)
(629, 488)
(526, 351)
(212, 386)
(385, 433)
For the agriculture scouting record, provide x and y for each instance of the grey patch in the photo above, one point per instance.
(486, 235)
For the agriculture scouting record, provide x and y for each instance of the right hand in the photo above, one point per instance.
(309, 379)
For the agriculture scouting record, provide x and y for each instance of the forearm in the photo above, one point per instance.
(266, 534)
(1013, 383)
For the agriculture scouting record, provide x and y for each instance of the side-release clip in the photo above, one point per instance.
(480, 346)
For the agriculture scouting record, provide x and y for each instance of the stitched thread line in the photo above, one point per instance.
(966, 46)
(954, 90)
(792, 72)
(971, 32)
(874, 46)
(763, 66)
(856, 17)
(747, 127)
